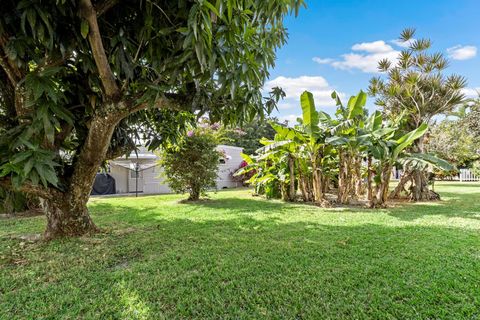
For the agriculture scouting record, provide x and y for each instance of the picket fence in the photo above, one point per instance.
(463, 175)
(467, 175)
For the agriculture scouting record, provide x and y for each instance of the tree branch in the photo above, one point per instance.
(104, 6)
(28, 188)
(87, 11)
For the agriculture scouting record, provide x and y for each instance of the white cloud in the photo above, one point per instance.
(291, 118)
(378, 46)
(322, 61)
(294, 87)
(366, 57)
(471, 92)
(403, 44)
(462, 52)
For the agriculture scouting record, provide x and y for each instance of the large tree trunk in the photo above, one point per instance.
(67, 213)
(419, 190)
(65, 218)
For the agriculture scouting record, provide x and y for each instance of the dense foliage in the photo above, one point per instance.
(472, 118)
(352, 152)
(191, 165)
(249, 134)
(454, 141)
(81, 81)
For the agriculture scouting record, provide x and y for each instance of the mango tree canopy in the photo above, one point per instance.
(80, 79)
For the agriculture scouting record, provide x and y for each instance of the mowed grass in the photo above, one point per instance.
(242, 257)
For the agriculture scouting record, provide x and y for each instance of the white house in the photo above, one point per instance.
(150, 180)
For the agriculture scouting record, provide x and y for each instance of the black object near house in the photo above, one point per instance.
(104, 184)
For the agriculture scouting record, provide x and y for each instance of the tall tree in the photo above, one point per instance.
(249, 134)
(453, 141)
(416, 88)
(78, 79)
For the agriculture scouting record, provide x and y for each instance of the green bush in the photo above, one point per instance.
(11, 202)
(476, 168)
(191, 165)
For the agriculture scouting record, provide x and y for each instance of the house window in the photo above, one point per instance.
(222, 161)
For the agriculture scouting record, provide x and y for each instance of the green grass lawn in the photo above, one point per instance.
(237, 256)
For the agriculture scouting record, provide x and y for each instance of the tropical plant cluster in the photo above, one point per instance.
(350, 155)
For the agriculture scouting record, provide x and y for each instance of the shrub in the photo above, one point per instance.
(12, 202)
(191, 165)
(476, 168)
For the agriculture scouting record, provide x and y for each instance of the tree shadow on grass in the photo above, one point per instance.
(454, 205)
(249, 268)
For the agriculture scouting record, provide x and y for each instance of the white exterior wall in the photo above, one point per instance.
(120, 174)
(154, 182)
(231, 165)
(151, 180)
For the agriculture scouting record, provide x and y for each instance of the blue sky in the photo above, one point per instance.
(334, 44)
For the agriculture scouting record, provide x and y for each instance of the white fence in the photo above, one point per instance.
(464, 175)
(467, 175)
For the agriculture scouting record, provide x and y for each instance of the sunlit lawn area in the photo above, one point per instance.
(237, 256)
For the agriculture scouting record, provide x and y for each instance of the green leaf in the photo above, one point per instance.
(84, 29)
(310, 115)
(247, 158)
(337, 140)
(212, 8)
(356, 105)
(408, 139)
(432, 160)
(374, 122)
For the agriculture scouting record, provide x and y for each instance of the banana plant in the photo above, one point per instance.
(387, 148)
(313, 125)
(345, 130)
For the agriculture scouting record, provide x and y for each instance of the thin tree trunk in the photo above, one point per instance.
(292, 191)
(369, 179)
(301, 186)
(194, 194)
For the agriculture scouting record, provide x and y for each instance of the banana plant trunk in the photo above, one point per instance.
(344, 178)
(379, 199)
(292, 191)
(358, 177)
(369, 179)
(317, 181)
